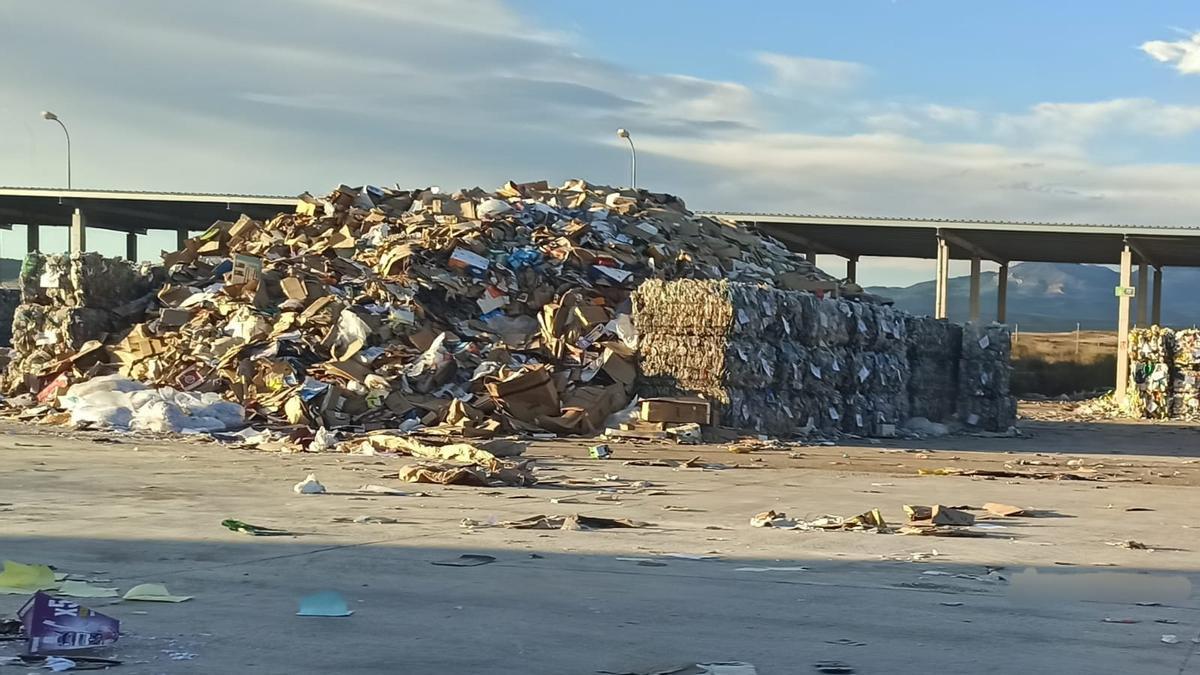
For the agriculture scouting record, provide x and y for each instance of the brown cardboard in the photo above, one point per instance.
(676, 410)
(527, 396)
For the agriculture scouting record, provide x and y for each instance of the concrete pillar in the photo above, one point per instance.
(1156, 304)
(181, 236)
(33, 238)
(975, 273)
(1143, 291)
(811, 256)
(852, 270)
(1123, 327)
(1002, 293)
(941, 292)
(131, 252)
(78, 231)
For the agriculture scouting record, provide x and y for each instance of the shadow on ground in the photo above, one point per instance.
(562, 613)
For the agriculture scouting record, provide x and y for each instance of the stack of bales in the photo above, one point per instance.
(719, 340)
(1185, 375)
(934, 349)
(775, 361)
(1150, 372)
(984, 401)
(66, 301)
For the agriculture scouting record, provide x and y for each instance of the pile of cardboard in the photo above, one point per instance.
(985, 373)
(777, 361)
(69, 302)
(934, 349)
(374, 308)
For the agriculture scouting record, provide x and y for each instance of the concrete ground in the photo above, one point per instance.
(562, 602)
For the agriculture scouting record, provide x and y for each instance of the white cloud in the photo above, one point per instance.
(1082, 121)
(799, 75)
(1184, 55)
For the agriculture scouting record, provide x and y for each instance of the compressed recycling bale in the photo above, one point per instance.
(81, 280)
(984, 375)
(1150, 372)
(10, 298)
(833, 328)
(863, 325)
(934, 347)
(1184, 347)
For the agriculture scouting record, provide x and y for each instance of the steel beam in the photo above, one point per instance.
(1156, 304)
(974, 249)
(1002, 293)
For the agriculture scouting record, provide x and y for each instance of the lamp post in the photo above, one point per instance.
(47, 115)
(624, 133)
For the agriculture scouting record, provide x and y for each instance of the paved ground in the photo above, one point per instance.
(566, 602)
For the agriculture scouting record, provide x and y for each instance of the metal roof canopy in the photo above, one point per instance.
(126, 211)
(990, 240)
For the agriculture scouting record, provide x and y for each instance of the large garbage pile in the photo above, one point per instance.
(774, 360)
(375, 308)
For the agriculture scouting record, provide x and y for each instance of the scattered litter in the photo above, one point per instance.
(309, 486)
(772, 519)
(693, 556)
(686, 434)
(950, 604)
(56, 624)
(466, 560)
(153, 593)
(1004, 473)
(716, 668)
(325, 603)
(845, 642)
(489, 473)
(833, 668)
(253, 530)
(1167, 621)
(1004, 510)
(82, 589)
(1170, 639)
(1132, 509)
(601, 451)
(381, 490)
(680, 509)
(772, 569)
(1130, 544)
(570, 522)
(21, 579)
(644, 562)
(1112, 620)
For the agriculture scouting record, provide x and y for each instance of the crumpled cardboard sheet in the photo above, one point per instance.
(487, 473)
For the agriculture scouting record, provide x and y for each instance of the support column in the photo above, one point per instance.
(941, 292)
(975, 272)
(131, 252)
(1002, 294)
(852, 270)
(1156, 303)
(811, 256)
(78, 231)
(181, 237)
(1143, 291)
(33, 238)
(1123, 328)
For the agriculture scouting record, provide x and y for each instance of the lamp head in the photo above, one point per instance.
(621, 133)
(47, 115)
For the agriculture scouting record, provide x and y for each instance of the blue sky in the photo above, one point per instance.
(1065, 111)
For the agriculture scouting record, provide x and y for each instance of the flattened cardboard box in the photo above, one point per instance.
(680, 410)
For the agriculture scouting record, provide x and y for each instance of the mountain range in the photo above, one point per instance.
(1053, 297)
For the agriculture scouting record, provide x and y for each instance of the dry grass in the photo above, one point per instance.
(1059, 363)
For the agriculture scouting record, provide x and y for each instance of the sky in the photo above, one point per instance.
(1070, 111)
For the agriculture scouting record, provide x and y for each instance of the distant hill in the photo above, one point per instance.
(1054, 296)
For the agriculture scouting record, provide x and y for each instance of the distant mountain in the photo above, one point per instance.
(1054, 296)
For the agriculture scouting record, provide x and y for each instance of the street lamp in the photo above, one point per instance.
(624, 133)
(47, 115)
